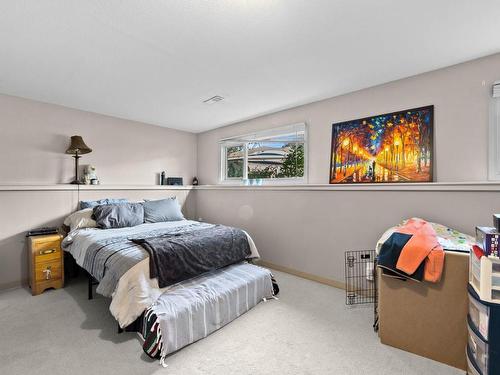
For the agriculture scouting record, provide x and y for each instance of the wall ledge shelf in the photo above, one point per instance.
(69, 187)
(488, 186)
(485, 186)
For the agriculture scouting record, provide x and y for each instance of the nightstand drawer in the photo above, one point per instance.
(47, 251)
(48, 271)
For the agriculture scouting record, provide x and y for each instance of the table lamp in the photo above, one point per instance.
(77, 148)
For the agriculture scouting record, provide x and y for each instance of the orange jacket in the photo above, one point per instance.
(422, 246)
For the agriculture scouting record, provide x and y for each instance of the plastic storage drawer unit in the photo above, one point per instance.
(479, 315)
(483, 342)
(479, 350)
(471, 368)
(484, 275)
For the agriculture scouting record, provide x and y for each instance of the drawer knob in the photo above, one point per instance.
(48, 272)
(48, 251)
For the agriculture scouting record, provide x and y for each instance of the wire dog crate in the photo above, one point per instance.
(360, 280)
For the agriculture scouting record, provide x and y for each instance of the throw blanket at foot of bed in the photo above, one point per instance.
(181, 256)
(193, 309)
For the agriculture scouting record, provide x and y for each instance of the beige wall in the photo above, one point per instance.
(309, 230)
(34, 136)
(23, 210)
(461, 120)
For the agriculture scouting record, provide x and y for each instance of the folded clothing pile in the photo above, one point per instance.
(412, 251)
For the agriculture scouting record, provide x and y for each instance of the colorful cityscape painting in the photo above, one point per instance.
(394, 147)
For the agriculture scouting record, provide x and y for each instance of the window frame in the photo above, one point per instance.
(223, 155)
(494, 139)
(239, 140)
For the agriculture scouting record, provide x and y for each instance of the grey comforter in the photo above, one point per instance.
(179, 256)
(109, 253)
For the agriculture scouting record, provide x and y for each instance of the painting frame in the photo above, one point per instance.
(395, 174)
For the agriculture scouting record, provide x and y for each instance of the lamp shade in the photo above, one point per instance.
(78, 146)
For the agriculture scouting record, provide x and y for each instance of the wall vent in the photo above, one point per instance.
(213, 99)
(496, 89)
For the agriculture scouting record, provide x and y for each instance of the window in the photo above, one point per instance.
(494, 136)
(275, 155)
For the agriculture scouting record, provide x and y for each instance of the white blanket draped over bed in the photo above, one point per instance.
(135, 290)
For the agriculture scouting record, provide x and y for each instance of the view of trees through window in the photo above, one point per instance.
(266, 160)
(275, 160)
(234, 161)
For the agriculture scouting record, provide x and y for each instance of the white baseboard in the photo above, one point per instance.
(304, 275)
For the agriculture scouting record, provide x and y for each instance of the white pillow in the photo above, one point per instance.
(81, 219)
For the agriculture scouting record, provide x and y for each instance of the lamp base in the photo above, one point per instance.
(76, 181)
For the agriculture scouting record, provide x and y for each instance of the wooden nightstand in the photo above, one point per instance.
(46, 262)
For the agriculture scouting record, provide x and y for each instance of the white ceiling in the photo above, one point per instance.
(156, 61)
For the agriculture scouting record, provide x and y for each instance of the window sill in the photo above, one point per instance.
(264, 182)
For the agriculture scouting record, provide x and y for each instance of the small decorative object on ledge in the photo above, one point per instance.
(174, 181)
(77, 148)
(195, 181)
(89, 175)
(162, 178)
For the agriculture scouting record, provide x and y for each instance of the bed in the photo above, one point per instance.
(121, 268)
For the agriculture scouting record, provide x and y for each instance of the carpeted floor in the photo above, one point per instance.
(308, 331)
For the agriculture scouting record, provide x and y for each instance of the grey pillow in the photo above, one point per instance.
(92, 204)
(162, 210)
(122, 215)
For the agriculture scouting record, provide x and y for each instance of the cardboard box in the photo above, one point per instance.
(428, 319)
